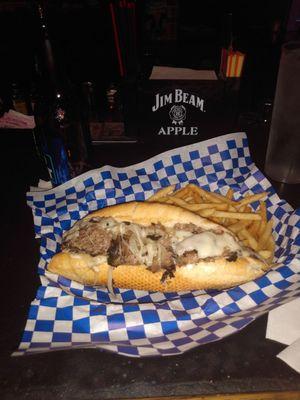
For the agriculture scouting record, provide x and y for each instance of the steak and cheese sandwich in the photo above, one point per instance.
(156, 247)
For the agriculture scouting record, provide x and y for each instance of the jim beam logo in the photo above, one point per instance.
(177, 112)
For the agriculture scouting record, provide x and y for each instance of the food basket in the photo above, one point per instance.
(66, 314)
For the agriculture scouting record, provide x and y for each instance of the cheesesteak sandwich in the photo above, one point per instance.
(156, 247)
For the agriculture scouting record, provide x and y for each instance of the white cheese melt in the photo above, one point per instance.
(179, 236)
(208, 244)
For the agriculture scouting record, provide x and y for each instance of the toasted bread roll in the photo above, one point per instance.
(155, 247)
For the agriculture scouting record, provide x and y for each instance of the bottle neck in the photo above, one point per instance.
(51, 77)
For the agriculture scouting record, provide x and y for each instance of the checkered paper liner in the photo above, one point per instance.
(66, 314)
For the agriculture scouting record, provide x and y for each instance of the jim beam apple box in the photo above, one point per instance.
(178, 103)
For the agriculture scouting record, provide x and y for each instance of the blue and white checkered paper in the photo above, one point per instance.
(66, 314)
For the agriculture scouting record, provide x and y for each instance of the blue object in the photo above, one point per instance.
(136, 323)
(57, 161)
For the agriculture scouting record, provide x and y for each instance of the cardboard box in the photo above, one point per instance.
(186, 108)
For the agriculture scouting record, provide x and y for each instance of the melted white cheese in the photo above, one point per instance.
(208, 244)
(180, 235)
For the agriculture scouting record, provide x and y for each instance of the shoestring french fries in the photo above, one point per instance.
(251, 227)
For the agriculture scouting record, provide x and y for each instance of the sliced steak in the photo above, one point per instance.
(119, 252)
(194, 229)
(165, 261)
(232, 256)
(167, 256)
(90, 238)
(188, 257)
(168, 273)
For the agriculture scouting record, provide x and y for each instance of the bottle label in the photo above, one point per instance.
(51, 168)
(57, 162)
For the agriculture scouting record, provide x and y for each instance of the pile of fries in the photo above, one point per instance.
(251, 227)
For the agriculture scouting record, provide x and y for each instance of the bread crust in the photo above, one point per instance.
(146, 213)
(217, 274)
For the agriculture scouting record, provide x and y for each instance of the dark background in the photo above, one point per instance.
(188, 33)
(82, 36)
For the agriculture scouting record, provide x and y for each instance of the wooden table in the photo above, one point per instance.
(242, 366)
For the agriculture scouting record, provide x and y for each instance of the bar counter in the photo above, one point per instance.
(244, 363)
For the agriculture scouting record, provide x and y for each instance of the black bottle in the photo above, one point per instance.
(59, 126)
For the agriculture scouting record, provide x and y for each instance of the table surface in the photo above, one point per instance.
(243, 362)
